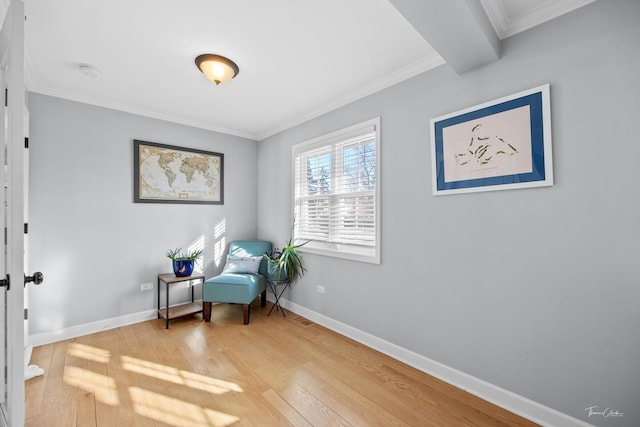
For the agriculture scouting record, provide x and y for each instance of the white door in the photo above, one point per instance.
(3, 266)
(12, 215)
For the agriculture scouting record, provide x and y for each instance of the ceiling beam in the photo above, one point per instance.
(459, 30)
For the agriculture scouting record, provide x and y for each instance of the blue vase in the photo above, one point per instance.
(183, 268)
(274, 273)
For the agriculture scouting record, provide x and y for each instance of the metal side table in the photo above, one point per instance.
(169, 313)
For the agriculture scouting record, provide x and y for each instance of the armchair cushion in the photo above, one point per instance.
(242, 264)
(237, 288)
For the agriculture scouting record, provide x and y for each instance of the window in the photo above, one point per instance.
(336, 195)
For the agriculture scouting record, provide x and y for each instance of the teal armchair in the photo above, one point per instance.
(239, 287)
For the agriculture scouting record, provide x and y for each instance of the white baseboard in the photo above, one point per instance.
(90, 328)
(510, 401)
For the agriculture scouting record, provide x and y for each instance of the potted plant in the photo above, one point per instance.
(183, 262)
(285, 265)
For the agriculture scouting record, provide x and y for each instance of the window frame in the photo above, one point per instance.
(335, 139)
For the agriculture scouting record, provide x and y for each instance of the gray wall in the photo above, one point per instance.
(93, 244)
(541, 300)
(533, 290)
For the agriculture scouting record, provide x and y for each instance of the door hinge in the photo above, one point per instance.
(26, 314)
(6, 97)
(26, 228)
(26, 142)
(5, 283)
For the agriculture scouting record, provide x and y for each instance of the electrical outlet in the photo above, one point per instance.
(321, 289)
(146, 286)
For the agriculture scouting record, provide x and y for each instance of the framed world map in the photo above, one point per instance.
(169, 174)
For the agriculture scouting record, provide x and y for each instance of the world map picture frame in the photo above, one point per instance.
(498, 145)
(170, 174)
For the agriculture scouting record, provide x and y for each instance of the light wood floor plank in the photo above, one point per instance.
(34, 390)
(276, 371)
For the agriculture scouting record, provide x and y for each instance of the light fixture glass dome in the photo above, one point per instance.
(217, 68)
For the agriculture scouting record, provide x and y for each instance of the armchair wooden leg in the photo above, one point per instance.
(206, 311)
(246, 313)
(263, 298)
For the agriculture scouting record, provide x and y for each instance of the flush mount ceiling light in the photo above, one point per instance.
(217, 68)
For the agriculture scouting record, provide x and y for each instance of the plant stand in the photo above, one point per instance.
(273, 287)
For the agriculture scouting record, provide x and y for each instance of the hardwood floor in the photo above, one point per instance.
(273, 372)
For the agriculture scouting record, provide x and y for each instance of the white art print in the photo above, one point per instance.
(494, 145)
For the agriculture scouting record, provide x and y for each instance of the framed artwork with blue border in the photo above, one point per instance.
(499, 145)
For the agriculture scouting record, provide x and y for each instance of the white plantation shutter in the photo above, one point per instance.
(336, 196)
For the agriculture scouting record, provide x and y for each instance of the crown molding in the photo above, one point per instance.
(425, 64)
(497, 16)
(506, 26)
(432, 61)
(72, 96)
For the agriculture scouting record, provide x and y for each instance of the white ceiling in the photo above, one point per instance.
(298, 59)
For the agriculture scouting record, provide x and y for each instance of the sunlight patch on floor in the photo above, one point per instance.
(178, 376)
(89, 353)
(146, 403)
(103, 387)
(176, 412)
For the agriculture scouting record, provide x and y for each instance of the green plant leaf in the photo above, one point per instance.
(177, 255)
